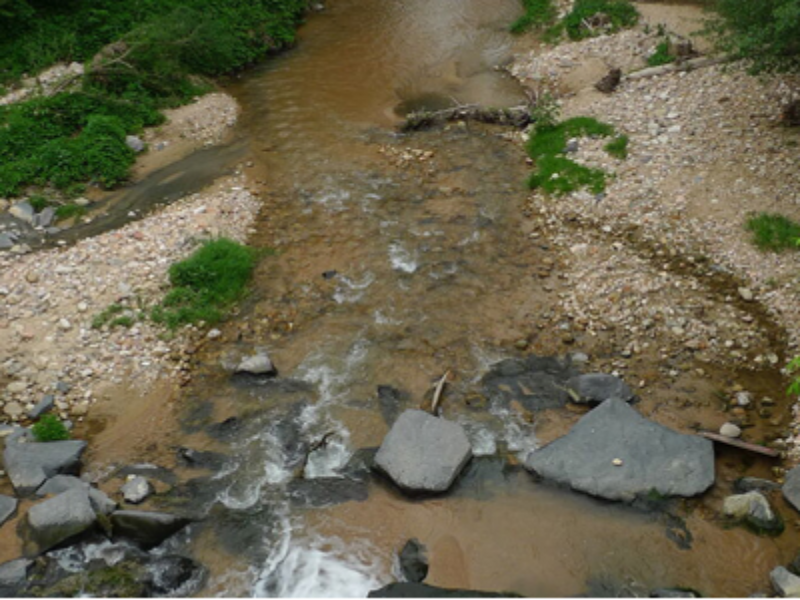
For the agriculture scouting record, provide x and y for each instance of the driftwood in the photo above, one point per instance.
(517, 116)
(312, 447)
(437, 394)
(736, 443)
(687, 65)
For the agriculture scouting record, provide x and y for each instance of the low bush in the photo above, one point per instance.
(592, 17)
(538, 14)
(661, 55)
(773, 232)
(618, 147)
(50, 429)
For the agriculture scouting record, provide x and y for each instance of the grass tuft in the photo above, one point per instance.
(618, 147)
(611, 15)
(50, 429)
(660, 56)
(538, 14)
(774, 232)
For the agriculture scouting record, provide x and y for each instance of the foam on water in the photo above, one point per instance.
(352, 290)
(401, 259)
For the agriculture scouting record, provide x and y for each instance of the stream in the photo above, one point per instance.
(398, 258)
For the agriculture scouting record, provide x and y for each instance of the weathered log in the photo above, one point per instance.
(736, 443)
(688, 65)
(516, 116)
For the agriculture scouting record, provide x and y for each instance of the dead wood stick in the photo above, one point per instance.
(437, 394)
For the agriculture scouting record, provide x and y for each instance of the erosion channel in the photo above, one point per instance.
(399, 258)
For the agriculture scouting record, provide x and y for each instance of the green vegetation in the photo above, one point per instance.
(661, 55)
(618, 147)
(589, 18)
(557, 174)
(162, 51)
(538, 14)
(69, 211)
(766, 32)
(204, 284)
(773, 232)
(115, 315)
(50, 429)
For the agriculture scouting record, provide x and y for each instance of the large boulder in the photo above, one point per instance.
(413, 561)
(423, 453)
(615, 453)
(405, 589)
(8, 506)
(791, 487)
(101, 503)
(58, 519)
(146, 528)
(30, 463)
(594, 388)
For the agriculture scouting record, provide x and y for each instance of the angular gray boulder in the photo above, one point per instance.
(101, 503)
(8, 506)
(423, 453)
(30, 463)
(791, 487)
(13, 576)
(58, 519)
(786, 584)
(754, 509)
(146, 528)
(615, 453)
(594, 388)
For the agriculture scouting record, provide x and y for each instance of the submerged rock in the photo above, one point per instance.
(421, 590)
(146, 528)
(423, 453)
(58, 519)
(615, 453)
(594, 388)
(535, 382)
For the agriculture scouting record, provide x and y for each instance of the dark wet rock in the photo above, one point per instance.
(43, 406)
(610, 82)
(258, 364)
(136, 490)
(360, 465)
(754, 484)
(329, 274)
(30, 463)
(326, 491)
(753, 509)
(422, 590)
(150, 471)
(146, 528)
(101, 503)
(674, 593)
(535, 382)
(13, 577)
(225, 430)
(615, 453)
(175, 576)
(791, 487)
(423, 453)
(391, 401)
(58, 519)
(8, 507)
(594, 388)
(785, 584)
(413, 561)
(202, 459)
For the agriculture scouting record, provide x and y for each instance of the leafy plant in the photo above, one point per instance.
(773, 232)
(538, 14)
(204, 284)
(50, 429)
(661, 55)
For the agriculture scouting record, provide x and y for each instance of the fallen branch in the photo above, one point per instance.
(437, 394)
(688, 65)
(718, 437)
(516, 116)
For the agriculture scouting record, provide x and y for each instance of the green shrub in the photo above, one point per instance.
(69, 211)
(618, 14)
(50, 429)
(538, 14)
(661, 55)
(204, 284)
(773, 232)
(38, 202)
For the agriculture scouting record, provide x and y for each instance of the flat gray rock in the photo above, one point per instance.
(29, 463)
(786, 584)
(13, 576)
(615, 453)
(791, 487)
(8, 506)
(101, 503)
(146, 528)
(594, 388)
(259, 364)
(423, 453)
(60, 518)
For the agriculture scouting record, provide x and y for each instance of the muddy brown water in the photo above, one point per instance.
(398, 259)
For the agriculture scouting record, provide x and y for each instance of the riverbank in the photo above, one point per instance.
(661, 264)
(51, 297)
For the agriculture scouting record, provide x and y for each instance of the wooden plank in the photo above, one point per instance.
(737, 443)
